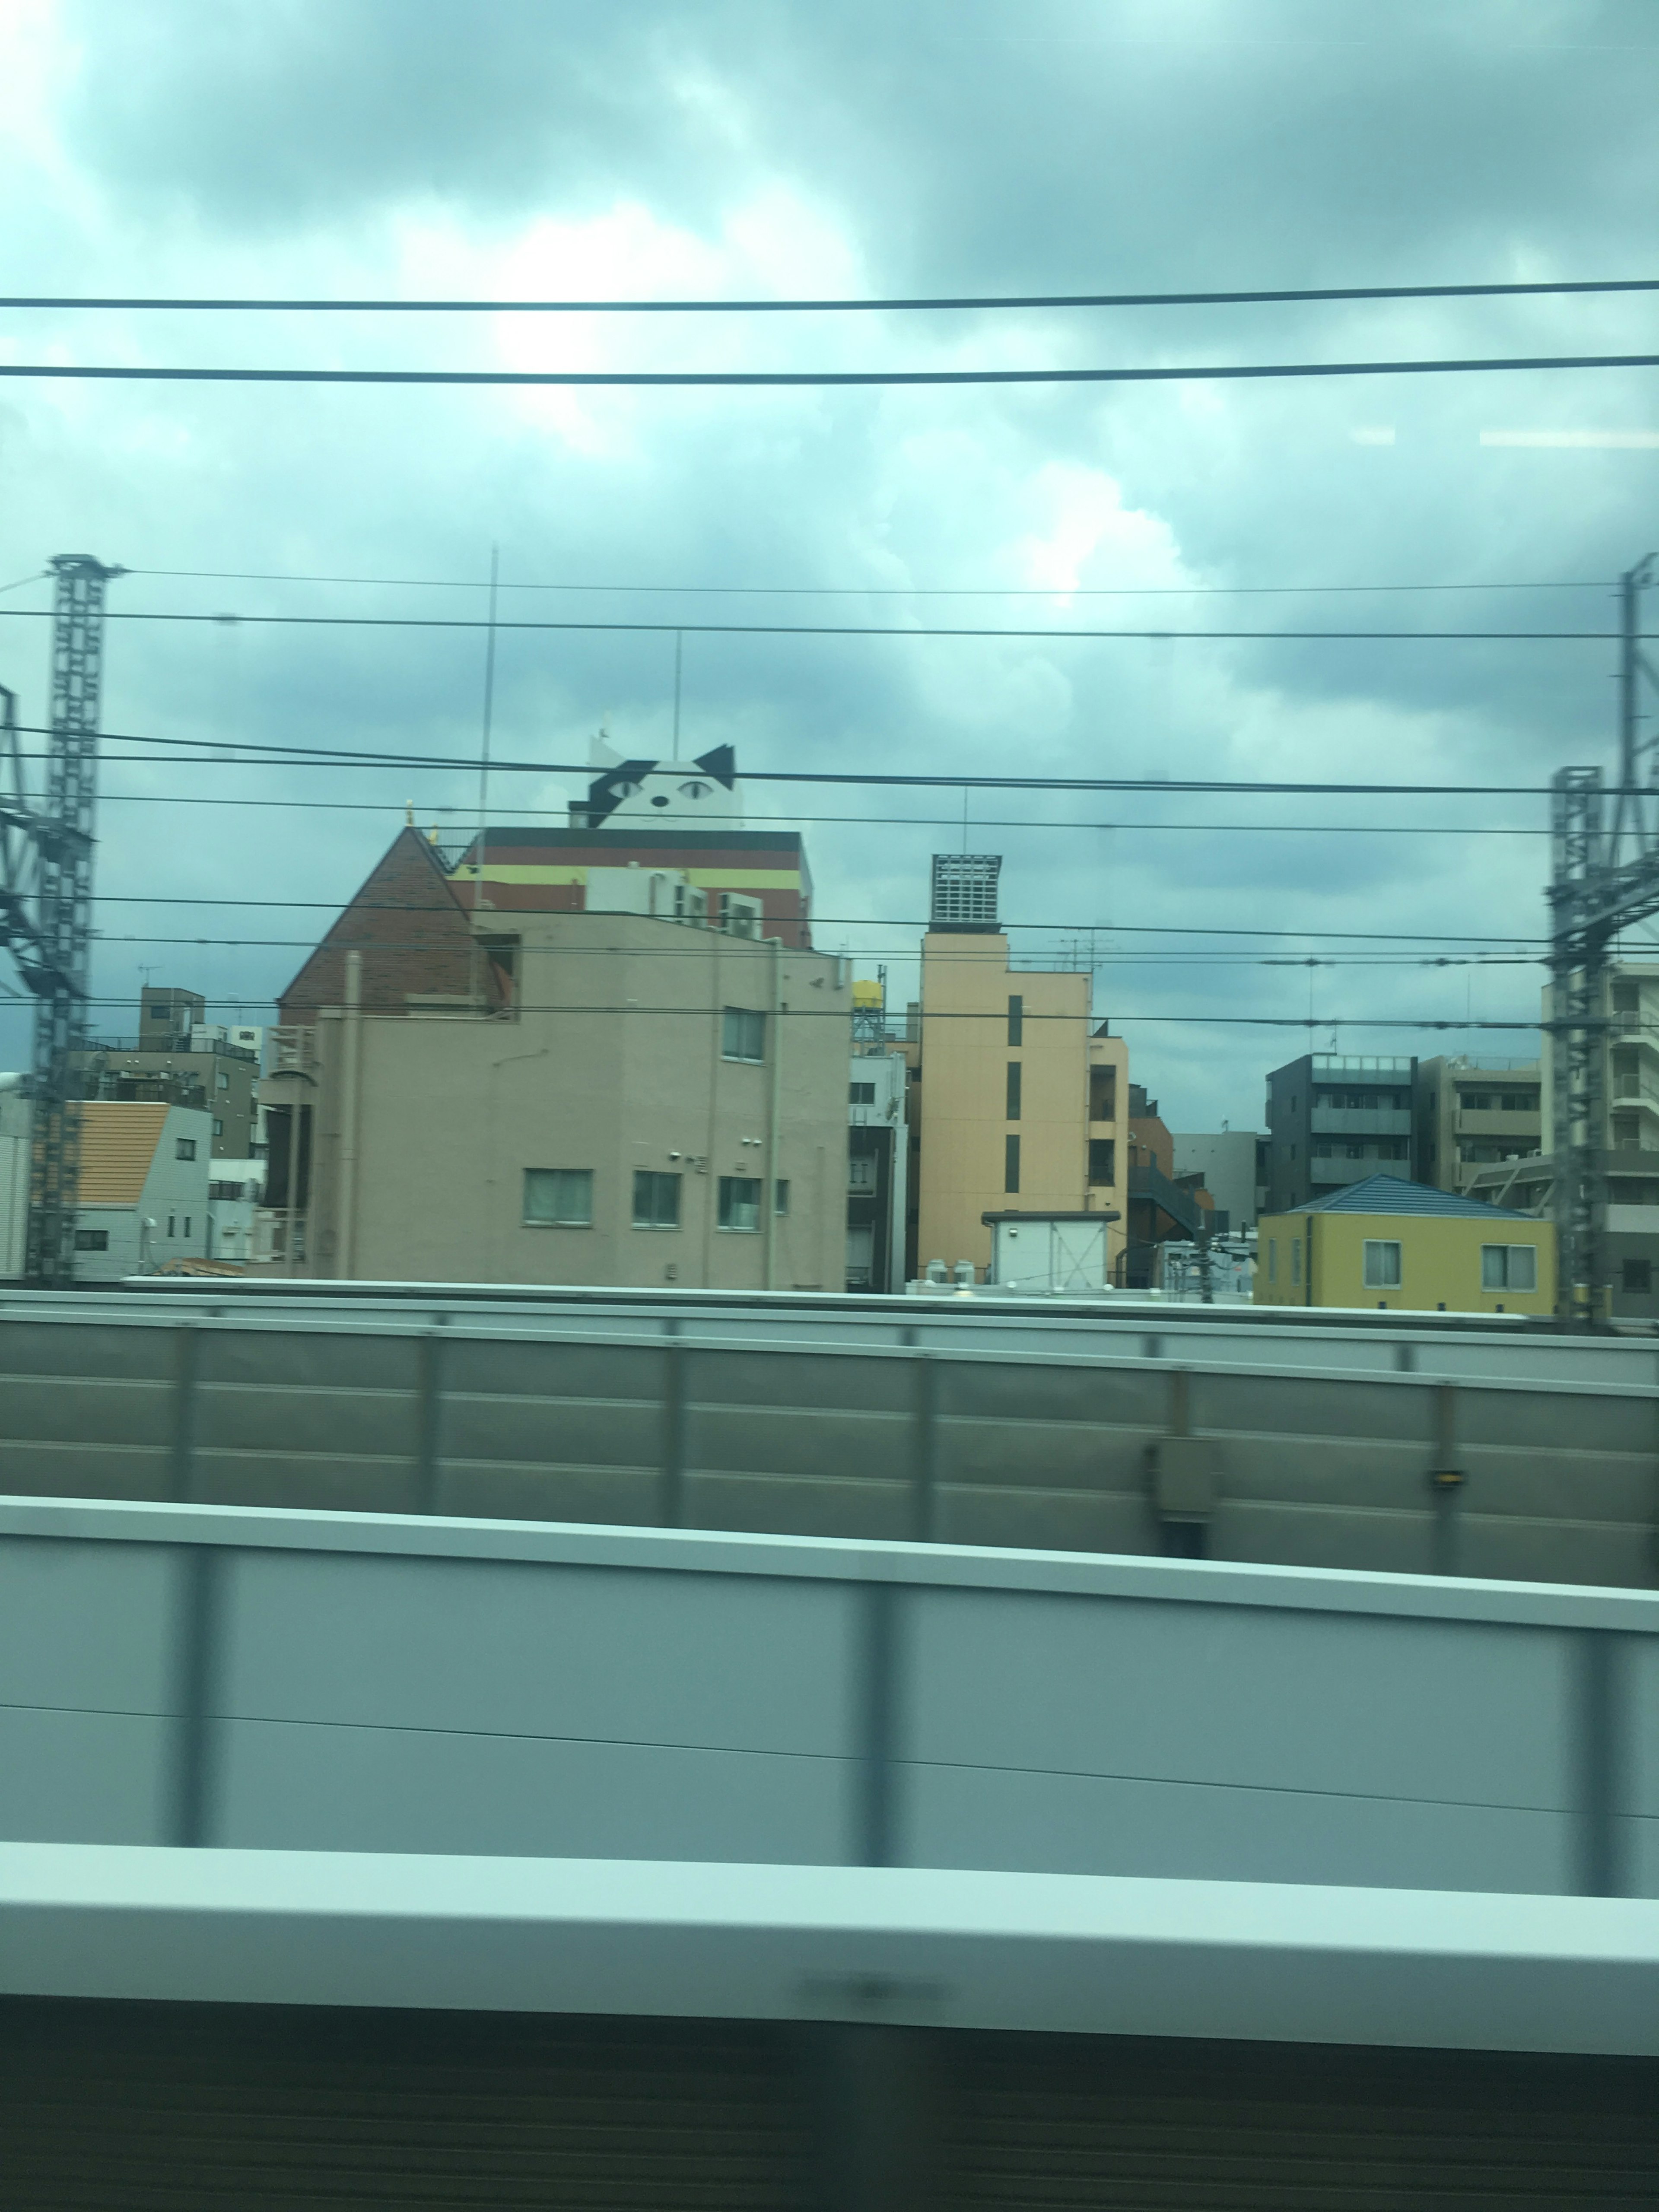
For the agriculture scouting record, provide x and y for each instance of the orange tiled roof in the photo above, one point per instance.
(117, 1144)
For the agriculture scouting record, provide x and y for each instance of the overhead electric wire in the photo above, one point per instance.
(805, 1013)
(1044, 632)
(817, 379)
(270, 755)
(858, 921)
(975, 302)
(863, 590)
(862, 821)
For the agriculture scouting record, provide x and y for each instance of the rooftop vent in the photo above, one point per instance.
(965, 890)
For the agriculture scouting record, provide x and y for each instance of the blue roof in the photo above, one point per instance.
(1386, 1193)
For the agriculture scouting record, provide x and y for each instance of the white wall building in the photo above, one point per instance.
(144, 1192)
(234, 1196)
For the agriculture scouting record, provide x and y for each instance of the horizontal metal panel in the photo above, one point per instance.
(789, 1505)
(812, 1442)
(1119, 1397)
(139, 1347)
(306, 1359)
(534, 1367)
(302, 1787)
(998, 1818)
(37, 1469)
(552, 1431)
(1321, 1405)
(790, 1377)
(461, 1645)
(502, 1490)
(92, 1409)
(85, 1778)
(1046, 1520)
(1046, 1454)
(310, 1482)
(88, 1626)
(1392, 1540)
(1427, 1710)
(321, 1418)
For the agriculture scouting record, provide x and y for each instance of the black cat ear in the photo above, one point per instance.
(721, 764)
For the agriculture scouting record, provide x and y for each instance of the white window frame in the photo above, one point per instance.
(1382, 1263)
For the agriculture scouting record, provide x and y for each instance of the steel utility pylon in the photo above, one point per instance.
(1604, 877)
(56, 963)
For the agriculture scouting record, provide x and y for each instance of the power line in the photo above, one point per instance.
(864, 591)
(271, 755)
(861, 820)
(1046, 632)
(733, 379)
(843, 921)
(975, 302)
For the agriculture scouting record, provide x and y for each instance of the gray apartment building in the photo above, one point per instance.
(179, 1059)
(1333, 1120)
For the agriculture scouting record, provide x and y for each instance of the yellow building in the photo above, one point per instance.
(1023, 1106)
(1386, 1243)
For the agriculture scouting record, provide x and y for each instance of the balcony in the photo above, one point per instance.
(1518, 1126)
(1361, 1122)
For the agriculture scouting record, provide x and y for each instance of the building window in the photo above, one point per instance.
(188, 1225)
(97, 1240)
(1296, 1259)
(558, 1198)
(860, 1094)
(861, 1172)
(781, 1195)
(184, 1148)
(739, 1202)
(1509, 1266)
(1636, 1276)
(172, 1224)
(223, 1080)
(1381, 1264)
(1010, 1163)
(656, 1199)
(1518, 1102)
(743, 1034)
(1011, 1109)
(1102, 1160)
(1272, 1259)
(1016, 1019)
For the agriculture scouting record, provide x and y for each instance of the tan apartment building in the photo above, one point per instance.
(628, 1099)
(1474, 1114)
(1022, 1101)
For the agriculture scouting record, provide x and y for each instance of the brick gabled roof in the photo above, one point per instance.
(408, 921)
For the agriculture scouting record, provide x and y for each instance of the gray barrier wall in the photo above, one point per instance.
(1108, 1451)
(308, 1682)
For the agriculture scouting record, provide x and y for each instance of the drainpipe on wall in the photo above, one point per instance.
(350, 1086)
(769, 1194)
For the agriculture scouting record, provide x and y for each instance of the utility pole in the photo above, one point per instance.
(58, 969)
(1602, 880)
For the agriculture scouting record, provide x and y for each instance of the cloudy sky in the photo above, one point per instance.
(735, 149)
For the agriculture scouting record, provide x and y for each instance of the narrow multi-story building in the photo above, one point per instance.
(1473, 1115)
(1023, 1098)
(1333, 1120)
(179, 1059)
(1630, 1158)
(877, 1164)
(630, 1089)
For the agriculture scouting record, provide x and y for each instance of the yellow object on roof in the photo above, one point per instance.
(868, 994)
(117, 1144)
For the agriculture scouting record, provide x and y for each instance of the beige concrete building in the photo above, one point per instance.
(1475, 1113)
(653, 1103)
(1024, 1102)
